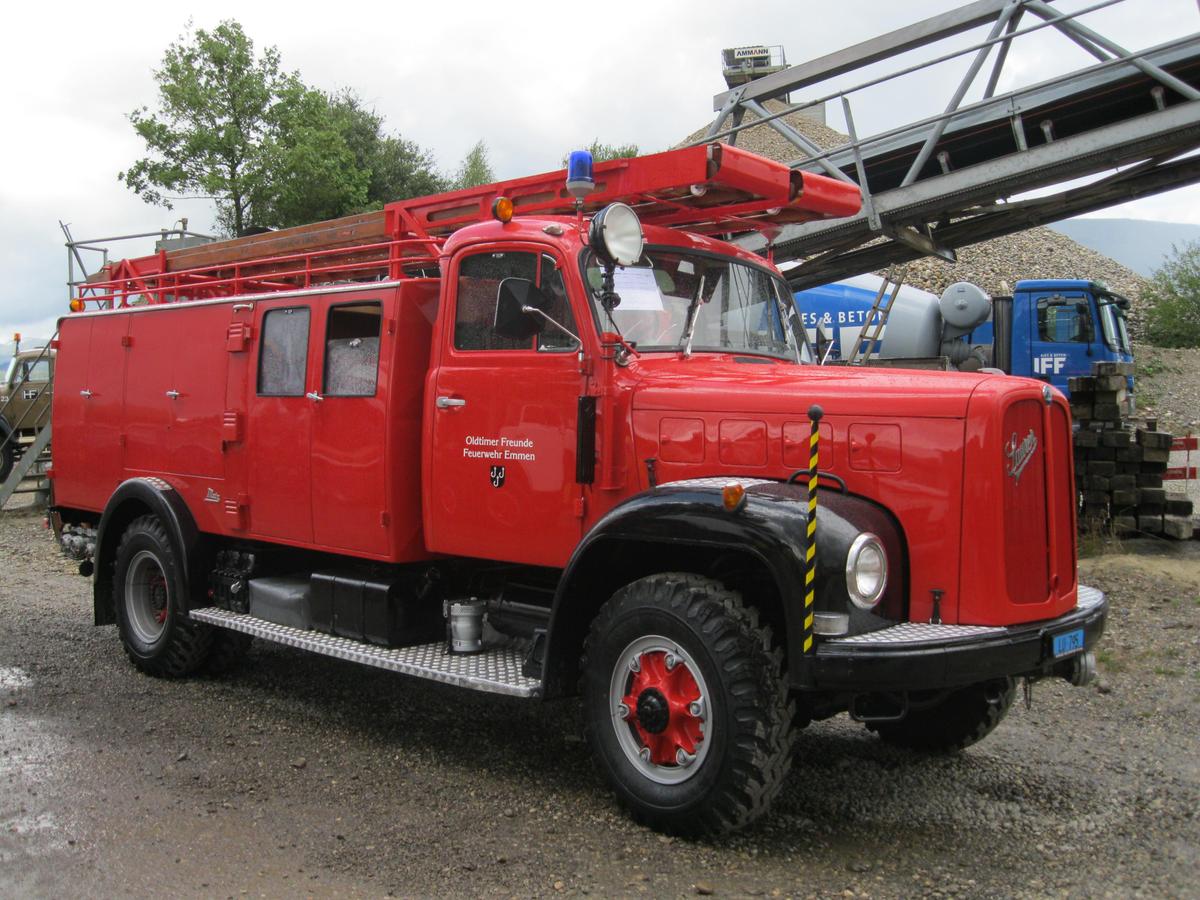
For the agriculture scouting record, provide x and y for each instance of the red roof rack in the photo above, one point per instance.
(711, 189)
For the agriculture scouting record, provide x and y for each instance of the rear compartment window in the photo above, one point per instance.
(283, 360)
(352, 350)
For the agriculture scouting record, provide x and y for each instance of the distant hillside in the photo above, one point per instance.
(1134, 243)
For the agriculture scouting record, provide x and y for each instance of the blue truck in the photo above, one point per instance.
(1050, 329)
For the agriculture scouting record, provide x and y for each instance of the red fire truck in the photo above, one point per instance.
(540, 438)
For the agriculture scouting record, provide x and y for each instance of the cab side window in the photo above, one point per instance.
(1060, 320)
(37, 370)
(283, 359)
(479, 280)
(352, 350)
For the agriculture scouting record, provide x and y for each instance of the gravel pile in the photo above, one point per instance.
(1036, 253)
(306, 776)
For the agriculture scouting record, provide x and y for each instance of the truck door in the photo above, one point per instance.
(349, 440)
(1062, 336)
(502, 456)
(279, 425)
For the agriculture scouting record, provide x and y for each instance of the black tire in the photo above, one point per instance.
(961, 719)
(147, 580)
(228, 651)
(744, 752)
(8, 450)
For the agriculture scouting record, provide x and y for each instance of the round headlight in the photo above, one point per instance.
(866, 571)
(616, 235)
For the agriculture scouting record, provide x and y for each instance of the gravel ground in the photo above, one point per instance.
(1168, 388)
(301, 775)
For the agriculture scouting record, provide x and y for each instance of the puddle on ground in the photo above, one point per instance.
(13, 678)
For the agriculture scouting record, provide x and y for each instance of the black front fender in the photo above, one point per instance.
(690, 517)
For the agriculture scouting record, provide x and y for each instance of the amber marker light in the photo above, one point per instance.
(76, 305)
(502, 209)
(733, 495)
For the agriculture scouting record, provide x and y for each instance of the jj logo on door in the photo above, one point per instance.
(496, 475)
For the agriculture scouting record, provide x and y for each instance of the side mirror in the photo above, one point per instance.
(511, 320)
(1089, 330)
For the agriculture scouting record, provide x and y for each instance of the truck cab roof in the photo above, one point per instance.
(1060, 284)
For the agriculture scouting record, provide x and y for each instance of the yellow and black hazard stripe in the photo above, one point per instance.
(810, 542)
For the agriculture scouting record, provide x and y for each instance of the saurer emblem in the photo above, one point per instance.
(1020, 454)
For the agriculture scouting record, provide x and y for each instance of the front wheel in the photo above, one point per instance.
(685, 705)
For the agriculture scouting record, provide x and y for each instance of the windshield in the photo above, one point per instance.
(1112, 322)
(679, 301)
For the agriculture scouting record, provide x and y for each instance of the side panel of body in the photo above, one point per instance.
(175, 399)
(852, 447)
(278, 487)
(88, 409)
(366, 449)
(70, 438)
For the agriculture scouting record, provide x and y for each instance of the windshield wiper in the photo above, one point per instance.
(693, 316)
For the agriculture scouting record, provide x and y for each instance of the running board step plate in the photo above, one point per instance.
(495, 671)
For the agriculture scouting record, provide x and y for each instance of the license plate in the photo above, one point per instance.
(1067, 643)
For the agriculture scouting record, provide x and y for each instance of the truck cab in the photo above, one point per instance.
(1049, 329)
(24, 401)
(1060, 327)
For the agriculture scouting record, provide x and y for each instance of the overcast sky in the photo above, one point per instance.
(531, 79)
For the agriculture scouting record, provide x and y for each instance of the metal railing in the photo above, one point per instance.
(920, 148)
(266, 275)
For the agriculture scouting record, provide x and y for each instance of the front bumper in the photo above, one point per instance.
(918, 656)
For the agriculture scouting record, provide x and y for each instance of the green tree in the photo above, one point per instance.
(217, 110)
(397, 168)
(314, 173)
(475, 169)
(1172, 299)
(601, 151)
(271, 151)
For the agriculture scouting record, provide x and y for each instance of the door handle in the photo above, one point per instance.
(173, 394)
(85, 394)
(314, 396)
(450, 402)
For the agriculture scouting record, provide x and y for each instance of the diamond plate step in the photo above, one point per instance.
(494, 671)
(921, 632)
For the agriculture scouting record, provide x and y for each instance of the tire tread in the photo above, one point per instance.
(753, 671)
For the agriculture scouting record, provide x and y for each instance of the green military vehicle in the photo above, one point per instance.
(24, 402)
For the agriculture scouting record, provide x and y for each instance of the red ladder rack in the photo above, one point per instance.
(711, 189)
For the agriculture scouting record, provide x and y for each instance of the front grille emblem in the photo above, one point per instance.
(1020, 454)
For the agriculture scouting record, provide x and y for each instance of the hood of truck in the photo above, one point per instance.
(764, 386)
(911, 441)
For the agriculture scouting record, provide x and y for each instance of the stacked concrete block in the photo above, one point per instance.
(1120, 461)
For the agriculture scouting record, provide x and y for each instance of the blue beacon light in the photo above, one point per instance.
(580, 182)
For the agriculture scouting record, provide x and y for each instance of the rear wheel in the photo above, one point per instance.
(147, 580)
(685, 705)
(8, 451)
(961, 719)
